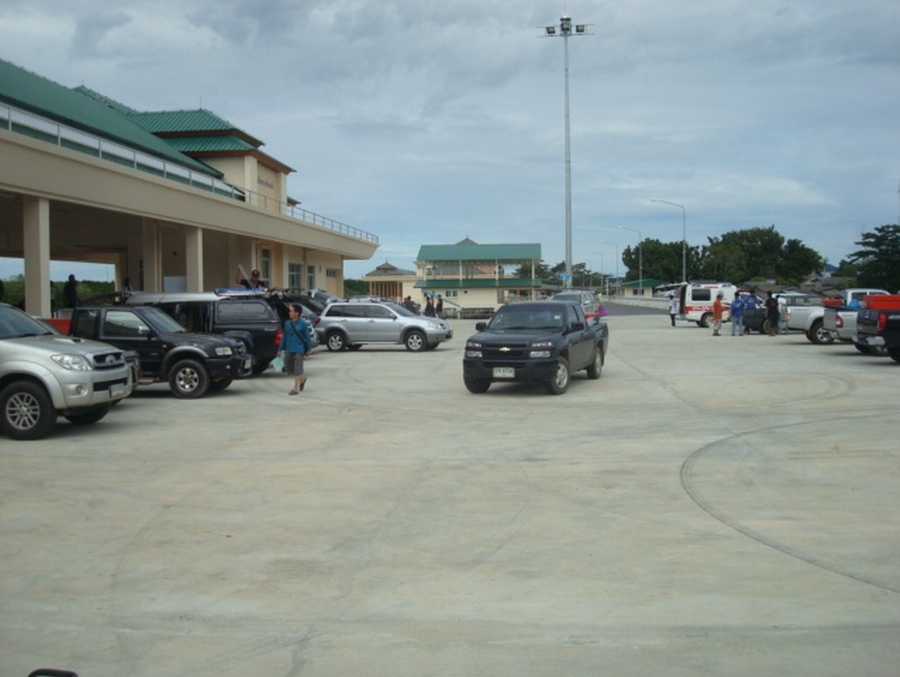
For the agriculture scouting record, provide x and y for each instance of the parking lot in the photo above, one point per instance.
(710, 506)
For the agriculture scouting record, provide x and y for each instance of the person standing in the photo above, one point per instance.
(429, 307)
(295, 345)
(254, 283)
(772, 313)
(673, 308)
(737, 315)
(70, 292)
(439, 307)
(718, 310)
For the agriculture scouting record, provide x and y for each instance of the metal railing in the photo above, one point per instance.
(35, 126)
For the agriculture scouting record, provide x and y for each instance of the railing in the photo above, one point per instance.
(17, 120)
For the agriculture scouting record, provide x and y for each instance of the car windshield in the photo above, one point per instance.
(512, 318)
(15, 323)
(160, 320)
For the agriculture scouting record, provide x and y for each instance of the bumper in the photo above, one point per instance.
(80, 390)
(236, 366)
(870, 340)
(538, 370)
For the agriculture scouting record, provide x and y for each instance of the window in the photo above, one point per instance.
(379, 312)
(265, 264)
(451, 294)
(702, 295)
(310, 277)
(122, 323)
(295, 275)
(332, 273)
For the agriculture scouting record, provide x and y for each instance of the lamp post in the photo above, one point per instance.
(683, 236)
(617, 264)
(564, 31)
(640, 254)
(600, 254)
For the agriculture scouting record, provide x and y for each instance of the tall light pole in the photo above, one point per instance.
(564, 31)
(640, 254)
(683, 236)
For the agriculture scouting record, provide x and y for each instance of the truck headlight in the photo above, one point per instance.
(73, 362)
(473, 349)
(536, 354)
(223, 350)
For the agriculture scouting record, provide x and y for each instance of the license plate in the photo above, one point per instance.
(504, 372)
(117, 390)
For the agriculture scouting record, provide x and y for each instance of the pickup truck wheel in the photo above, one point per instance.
(188, 379)
(595, 367)
(705, 319)
(26, 411)
(894, 353)
(559, 384)
(415, 341)
(818, 334)
(335, 341)
(477, 385)
(258, 368)
(88, 417)
(869, 350)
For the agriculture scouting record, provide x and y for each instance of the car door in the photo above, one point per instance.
(382, 325)
(351, 318)
(581, 348)
(127, 330)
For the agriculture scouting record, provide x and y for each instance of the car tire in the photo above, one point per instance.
(415, 341)
(818, 334)
(477, 385)
(869, 350)
(89, 417)
(704, 320)
(894, 353)
(26, 411)
(596, 366)
(189, 379)
(559, 384)
(220, 385)
(336, 341)
(259, 368)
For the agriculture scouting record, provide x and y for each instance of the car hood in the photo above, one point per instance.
(55, 343)
(514, 336)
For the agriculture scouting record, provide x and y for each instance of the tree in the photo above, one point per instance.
(879, 258)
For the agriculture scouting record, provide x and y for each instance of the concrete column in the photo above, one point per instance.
(151, 249)
(193, 257)
(36, 241)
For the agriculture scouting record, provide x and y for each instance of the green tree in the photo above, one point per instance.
(796, 262)
(879, 258)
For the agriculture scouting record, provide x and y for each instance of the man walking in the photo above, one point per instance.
(295, 344)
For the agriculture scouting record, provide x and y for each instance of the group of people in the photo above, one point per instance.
(738, 304)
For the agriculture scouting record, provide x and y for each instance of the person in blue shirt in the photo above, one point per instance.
(295, 345)
(737, 315)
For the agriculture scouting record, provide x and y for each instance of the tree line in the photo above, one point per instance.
(12, 290)
(742, 256)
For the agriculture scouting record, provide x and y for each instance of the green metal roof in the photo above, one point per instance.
(469, 251)
(209, 144)
(38, 95)
(480, 283)
(168, 123)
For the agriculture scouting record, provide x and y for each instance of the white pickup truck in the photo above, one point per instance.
(810, 319)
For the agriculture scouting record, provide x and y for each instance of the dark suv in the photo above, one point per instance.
(250, 318)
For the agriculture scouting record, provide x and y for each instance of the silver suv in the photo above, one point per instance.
(347, 325)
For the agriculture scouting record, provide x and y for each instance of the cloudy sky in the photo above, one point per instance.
(428, 121)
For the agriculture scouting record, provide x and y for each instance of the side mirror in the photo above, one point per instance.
(577, 326)
(144, 330)
(479, 326)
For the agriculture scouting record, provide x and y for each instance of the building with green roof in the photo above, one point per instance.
(174, 199)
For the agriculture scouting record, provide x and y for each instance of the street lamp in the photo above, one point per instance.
(640, 254)
(683, 236)
(564, 31)
(617, 262)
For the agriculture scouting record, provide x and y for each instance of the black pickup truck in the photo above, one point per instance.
(192, 364)
(539, 341)
(880, 327)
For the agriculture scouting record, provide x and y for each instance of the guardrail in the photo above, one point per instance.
(35, 126)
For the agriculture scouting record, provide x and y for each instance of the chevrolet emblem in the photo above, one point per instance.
(505, 349)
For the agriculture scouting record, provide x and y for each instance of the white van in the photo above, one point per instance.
(696, 301)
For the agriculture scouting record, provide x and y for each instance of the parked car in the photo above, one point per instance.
(585, 299)
(251, 317)
(346, 325)
(44, 375)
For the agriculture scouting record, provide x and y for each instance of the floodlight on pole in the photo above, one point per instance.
(683, 235)
(564, 31)
(640, 255)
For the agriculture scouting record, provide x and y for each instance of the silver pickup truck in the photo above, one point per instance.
(44, 374)
(810, 318)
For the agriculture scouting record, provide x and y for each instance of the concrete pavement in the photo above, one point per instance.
(710, 506)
